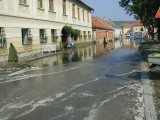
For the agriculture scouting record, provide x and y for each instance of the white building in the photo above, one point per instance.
(36, 22)
(118, 32)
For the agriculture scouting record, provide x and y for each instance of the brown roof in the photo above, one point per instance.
(127, 25)
(110, 23)
(138, 23)
(100, 23)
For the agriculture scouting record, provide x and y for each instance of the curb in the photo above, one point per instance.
(150, 112)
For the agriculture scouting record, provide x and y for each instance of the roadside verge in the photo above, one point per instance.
(150, 112)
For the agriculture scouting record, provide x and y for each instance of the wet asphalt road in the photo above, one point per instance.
(86, 84)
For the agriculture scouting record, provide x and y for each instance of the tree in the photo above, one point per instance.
(144, 10)
(13, 55)
(73, 32)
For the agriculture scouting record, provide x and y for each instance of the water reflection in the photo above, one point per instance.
(82, 54)
(131, 43)
(68, 56)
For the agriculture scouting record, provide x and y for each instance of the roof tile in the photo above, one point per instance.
(100, 23)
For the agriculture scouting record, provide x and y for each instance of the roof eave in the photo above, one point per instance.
(86, 5)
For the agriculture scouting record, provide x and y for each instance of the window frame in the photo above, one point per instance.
(43, 35)
(78, 13)
(40, 4)
(3, 42)
(26, 36)
(83, 15)
(51, 5)
(23, 2)
(88, 16)
(64, 7)
(73, 11)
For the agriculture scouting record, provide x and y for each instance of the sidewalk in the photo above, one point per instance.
(150, 112)
(31, 53)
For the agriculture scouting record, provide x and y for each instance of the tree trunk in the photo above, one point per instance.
(152, 34)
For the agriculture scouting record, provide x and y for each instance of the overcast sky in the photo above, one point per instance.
(109, 9)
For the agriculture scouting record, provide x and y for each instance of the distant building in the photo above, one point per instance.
(101, 29)
(138, 26)
(134, 27)
(126, 27)
(117, 29)
(36, 22)
(118, 32)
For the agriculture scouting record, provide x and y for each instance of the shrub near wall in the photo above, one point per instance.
(13, 55)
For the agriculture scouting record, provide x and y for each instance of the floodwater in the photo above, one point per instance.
(89, 83)
(68, 56)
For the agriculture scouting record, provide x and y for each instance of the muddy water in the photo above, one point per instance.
(89, 83)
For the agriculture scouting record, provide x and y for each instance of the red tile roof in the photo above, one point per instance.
(100, 23)
(138, 23)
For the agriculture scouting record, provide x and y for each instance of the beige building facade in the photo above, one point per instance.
(126, 27)
(138, 26)
(37, 22)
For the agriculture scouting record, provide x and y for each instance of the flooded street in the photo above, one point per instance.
(89, 83)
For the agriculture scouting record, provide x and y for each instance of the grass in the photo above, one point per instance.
(153, 47)
(148, 47)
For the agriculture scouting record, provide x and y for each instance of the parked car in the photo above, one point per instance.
(127, 35)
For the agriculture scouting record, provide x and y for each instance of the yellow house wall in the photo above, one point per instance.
(138, 28)
(125, 30)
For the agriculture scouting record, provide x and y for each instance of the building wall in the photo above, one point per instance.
(14, 16)
(100, 34)
(139, 28)
(124, 31)
(118, 32)
(110, 35)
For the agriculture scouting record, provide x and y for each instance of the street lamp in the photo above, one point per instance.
(158, 17)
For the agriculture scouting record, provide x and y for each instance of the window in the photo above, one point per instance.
(73, 10)
(78, 13)
(51, 5)
(83, 14)
(141, 29)
(23, 1)
(88, 16)
(84, 33)
(89, 34)
(26, 36)
(54, 35)
(64, 7)
(43, 36)
(40, 3)
(3, 42)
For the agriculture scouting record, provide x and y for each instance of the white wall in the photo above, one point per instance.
(118, 32)
(14, 16)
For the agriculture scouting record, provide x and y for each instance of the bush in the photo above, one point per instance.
(73, 32)
(13, 55)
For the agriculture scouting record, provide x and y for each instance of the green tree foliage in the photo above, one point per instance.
(145, 10)
(73, 32)
(13, 55)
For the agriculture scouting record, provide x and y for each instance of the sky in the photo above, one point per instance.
(109, 9)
